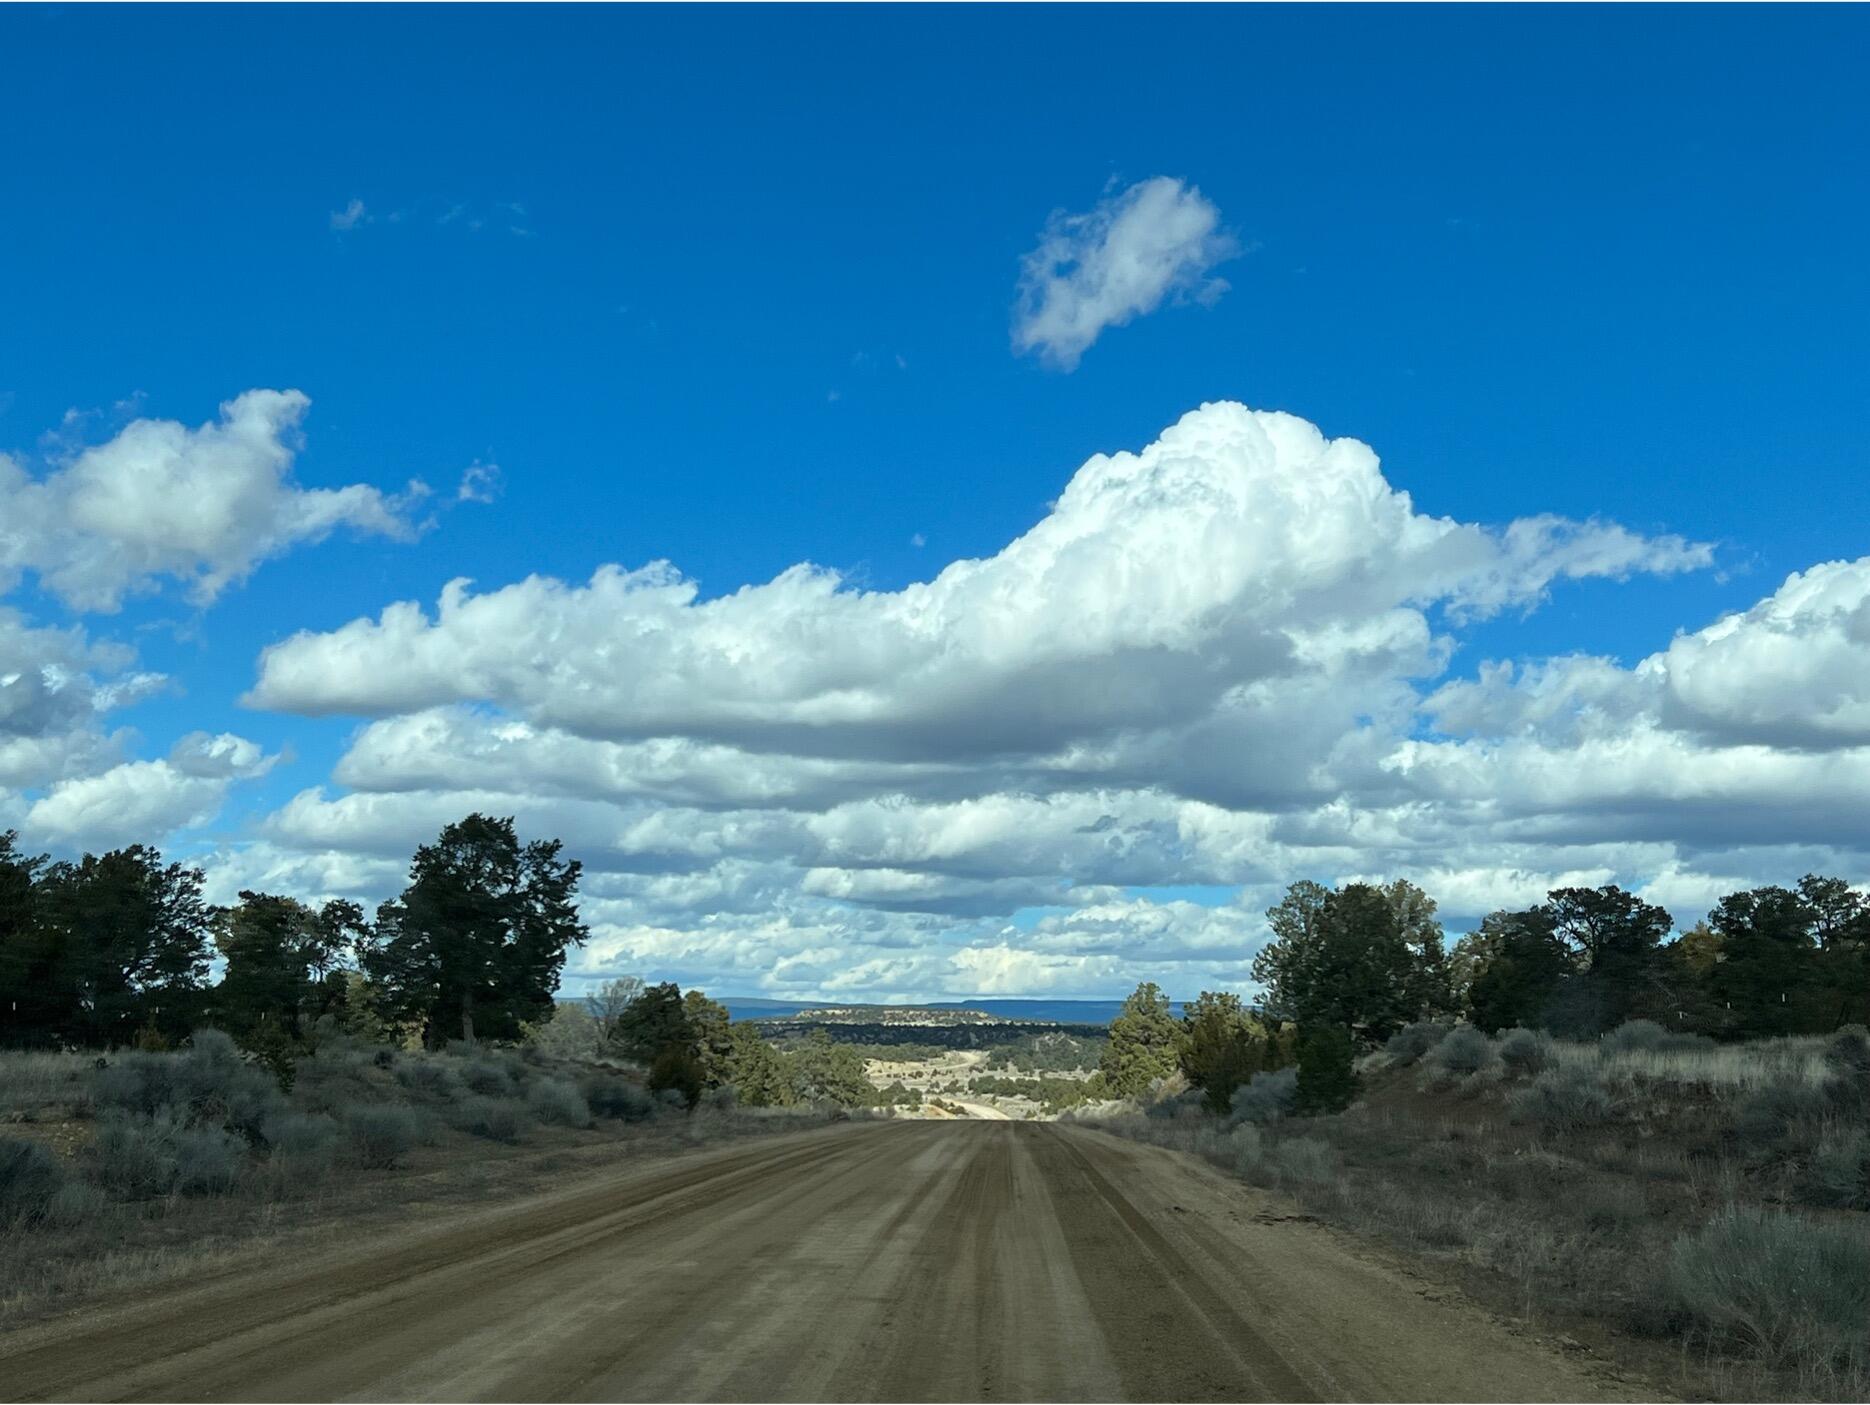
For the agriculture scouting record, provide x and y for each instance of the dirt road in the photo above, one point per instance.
(902, 1261)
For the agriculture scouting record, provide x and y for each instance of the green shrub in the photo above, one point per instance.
(677, 1070)
(1413, 1041)
(379, 1137)
(437, 1080)
(1464, 1051)
(135, 1156)
(558, 1104)
(206, 1084)
(618, 1097)
(1304, 1161)
(1568, 1096)
(1840, 1168)
(1525, 1052)
(31, 1179)
(1796, 1291)
(301, 1144)
(496, 1119)
(1266, 1097)
(1633, 1037)
(208, 1160)
(488, 1077)
(1848, 1052)
(1768, 1112)
(1246, 1149)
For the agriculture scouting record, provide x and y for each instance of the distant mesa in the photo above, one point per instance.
(894, 1014)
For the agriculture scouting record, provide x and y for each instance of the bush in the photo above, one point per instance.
(301, 1144)
(135, 1156)
(672, 1098)
(1633, 1037)
(488, 1077)
(1246, 1148)
(208, 1160)
(1848, 1052)
(379, 1137)
(1464, 1051)
(206, 1084)
(558, 1104)
(1525, 1052)
(1567, 1096)
(1266, 1097)
(618, 1097)
(1840, 1169)
(31, 1179)
(1413, 1041)
(496, 1119)
(437, 1080)
(1796, 1291)
(677, 1070)
(1305, 1161)
(1768, 1112)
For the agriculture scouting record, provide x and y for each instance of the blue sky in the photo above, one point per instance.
(738, 290)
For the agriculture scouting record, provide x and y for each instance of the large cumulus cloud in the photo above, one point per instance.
(1217, 664)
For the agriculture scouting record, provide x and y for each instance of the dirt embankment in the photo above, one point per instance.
(902, 1261)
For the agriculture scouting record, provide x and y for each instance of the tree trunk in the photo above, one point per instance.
(467, 1016)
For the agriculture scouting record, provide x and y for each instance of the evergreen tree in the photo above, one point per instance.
(656, 1020)
(118, 941)
(1616, 939)
(1327, 1069)
(283, 961)
(1523, 968)
(1222, 1046)
(478, 938)
(1340, 958)
(1145, 1043)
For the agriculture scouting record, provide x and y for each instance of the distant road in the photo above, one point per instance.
(895, 1261)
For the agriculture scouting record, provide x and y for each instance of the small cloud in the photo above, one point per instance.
(1156, 240)
(481, 483)
(350, 217)
(918, 540)
(901, 364)
(833, 396)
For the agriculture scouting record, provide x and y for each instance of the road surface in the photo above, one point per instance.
(900, 1261)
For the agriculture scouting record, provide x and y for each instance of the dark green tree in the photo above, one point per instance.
(1222, 1046)
(1520, 969)
(761, 1075)
(1145, 1043)
(283, 962)
(826, 1071)
(1340, 958)
(32, 1010)
(1615, 938)
(1429, 987)
(476, 941)
(656, 1020)
(120, 941)
(1769, 979)
(1327, 1069)
(710, 1035)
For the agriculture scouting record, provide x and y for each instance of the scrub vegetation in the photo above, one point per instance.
(1662, 1146)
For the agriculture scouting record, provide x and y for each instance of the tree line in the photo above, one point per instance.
(119, 948)
(1354, 965)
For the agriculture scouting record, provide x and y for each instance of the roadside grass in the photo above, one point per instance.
(1695, 1209)
(164, 1163)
